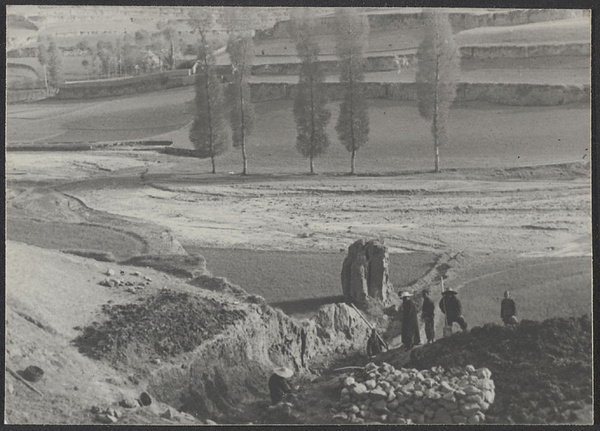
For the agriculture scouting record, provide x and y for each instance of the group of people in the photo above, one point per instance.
(450, 305)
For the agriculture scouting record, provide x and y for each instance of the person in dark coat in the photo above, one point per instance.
(278, 385)
(452, 308)
(428, 315)
(410, 322)
(374, 344)
(508, 310)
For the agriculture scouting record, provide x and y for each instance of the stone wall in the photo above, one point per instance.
(482, 52)
(504, 94)
(374, 63)
(383, 394)
(386, 62)
(123, 86)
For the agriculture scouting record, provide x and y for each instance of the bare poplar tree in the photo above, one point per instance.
(241, 53)
(352, 127)
(437, 75)
(310, 110)
(43, 59)
(209, 133)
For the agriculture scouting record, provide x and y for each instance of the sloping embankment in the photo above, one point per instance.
(235, 366)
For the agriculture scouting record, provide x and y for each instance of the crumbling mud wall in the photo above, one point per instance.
(236, 365)
(365, 272)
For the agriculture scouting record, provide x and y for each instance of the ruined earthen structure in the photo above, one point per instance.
(365, 273)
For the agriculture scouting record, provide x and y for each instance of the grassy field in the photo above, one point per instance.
(292, 279)
(59, 236)
(541, 288)
(399, 139)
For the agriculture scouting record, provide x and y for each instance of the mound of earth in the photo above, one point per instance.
(179, 265)
(163, 325)
(542, 370)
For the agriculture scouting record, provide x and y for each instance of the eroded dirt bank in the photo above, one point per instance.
(211, 380)
(498, 217)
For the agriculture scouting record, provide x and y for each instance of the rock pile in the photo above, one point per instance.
(384, 394)
(131, 286)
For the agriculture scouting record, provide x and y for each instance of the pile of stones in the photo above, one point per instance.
(131, 286)
(383, 394)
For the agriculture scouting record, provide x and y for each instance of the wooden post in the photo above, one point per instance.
(25, 382)
(369, 325)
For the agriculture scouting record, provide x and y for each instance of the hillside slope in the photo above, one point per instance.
(142, 342)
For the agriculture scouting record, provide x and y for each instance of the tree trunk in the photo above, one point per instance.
(312, 165)
(245, 170)
(46, 78)
(435, 115)
(212, 160)
(352, 162)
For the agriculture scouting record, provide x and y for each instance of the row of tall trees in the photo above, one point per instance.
(211, 133)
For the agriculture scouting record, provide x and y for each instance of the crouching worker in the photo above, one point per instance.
(508, 310)
(279, 387)
(286, 404)
(375, 344)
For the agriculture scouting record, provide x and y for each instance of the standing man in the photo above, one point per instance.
(508, 309)
(427, 316)
(452, 308)
(410, 322)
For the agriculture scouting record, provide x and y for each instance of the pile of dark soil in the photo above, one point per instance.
(162, 325)
(542, 370)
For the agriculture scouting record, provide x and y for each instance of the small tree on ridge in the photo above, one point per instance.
(310, 110)
(241, 53)
(352, 126)
(209, 133)
(437, 74)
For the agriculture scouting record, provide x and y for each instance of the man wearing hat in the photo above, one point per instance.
(428, 316)
(278, 385)
(410, 322)
(508, 310)
(452, 308)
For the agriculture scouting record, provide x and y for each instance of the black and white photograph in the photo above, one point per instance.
(244, 215)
